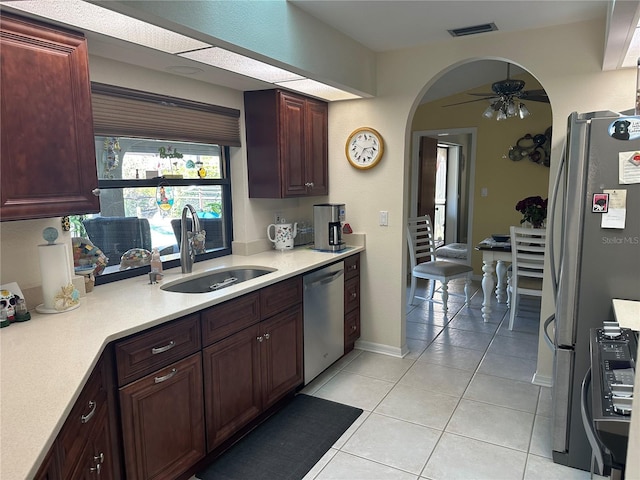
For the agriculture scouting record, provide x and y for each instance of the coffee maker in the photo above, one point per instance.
(327, 226)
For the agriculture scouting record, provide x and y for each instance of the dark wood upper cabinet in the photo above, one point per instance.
(286, 144)
(48, 165)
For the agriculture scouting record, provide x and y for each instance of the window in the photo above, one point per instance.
(146, 180)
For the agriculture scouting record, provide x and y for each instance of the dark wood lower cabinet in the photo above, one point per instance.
(163, 421)
(187, 387)
(249, 371)
(281, 354)
(233, 385)
(87, 446)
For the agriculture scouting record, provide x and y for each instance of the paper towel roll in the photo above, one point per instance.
(55, 272)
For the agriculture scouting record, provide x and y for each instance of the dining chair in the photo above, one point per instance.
(115, 235)
(527, 266)
(425, 265)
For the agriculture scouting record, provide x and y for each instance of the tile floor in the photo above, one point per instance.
(461, 405)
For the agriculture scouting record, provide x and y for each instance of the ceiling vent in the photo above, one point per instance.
(461, 32)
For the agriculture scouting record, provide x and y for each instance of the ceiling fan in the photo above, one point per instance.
(506, 98)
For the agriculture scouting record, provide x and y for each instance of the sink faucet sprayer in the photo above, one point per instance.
(187, 248)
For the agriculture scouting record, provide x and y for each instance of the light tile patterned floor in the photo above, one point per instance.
(461, 405)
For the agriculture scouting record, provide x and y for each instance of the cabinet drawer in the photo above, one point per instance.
(351, 329)
(149, 351)
(351, 294)
(280, 296)
(352, 266)
(82, 418)
(230, 317)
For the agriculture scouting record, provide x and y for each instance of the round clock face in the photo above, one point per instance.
(364, 148)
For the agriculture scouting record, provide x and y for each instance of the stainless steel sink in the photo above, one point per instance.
(215, 280)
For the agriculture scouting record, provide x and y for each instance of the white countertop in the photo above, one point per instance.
(45, 362)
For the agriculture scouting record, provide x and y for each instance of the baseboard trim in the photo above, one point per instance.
(542, 380)
(383, 349)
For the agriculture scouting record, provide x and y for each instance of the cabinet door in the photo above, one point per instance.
(281, 354)
(48, 163)
(292, 145)
(95, 460)
(163, 421)
(232, 383)
(316, 141)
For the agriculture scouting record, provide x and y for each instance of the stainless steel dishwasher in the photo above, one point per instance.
(323, 319)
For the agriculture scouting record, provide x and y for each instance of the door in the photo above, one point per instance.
(427, 176)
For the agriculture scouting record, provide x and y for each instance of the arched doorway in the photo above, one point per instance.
(492, 182)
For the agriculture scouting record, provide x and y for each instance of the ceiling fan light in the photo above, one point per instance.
(511, 109)
(501, 115)
(523, 111)
(488, 113)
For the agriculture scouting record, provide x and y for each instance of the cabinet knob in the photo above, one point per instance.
(99, 458)
(96, 192)
(309, 184)
(266, 336)
(96, 469)
(259, 338)
(354, 295)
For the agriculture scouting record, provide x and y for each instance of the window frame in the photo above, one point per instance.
(227, 218)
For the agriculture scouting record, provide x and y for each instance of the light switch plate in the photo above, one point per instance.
(384, 218)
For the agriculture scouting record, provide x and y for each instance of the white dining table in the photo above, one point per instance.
(495, 256)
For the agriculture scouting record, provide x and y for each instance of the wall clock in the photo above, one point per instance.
(364, 148)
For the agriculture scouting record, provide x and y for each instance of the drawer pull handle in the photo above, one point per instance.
(96, 469)
(168, 346)
(165, 377)
(353, 267)
(92, 410)
(99, 458)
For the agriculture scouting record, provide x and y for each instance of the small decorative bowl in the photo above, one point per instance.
(500, 238)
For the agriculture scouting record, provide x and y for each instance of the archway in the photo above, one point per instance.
(495, 181)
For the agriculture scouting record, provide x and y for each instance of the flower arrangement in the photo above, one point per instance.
(534, 210)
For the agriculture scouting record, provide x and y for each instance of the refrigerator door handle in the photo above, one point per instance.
(547, 338)
(551, 223)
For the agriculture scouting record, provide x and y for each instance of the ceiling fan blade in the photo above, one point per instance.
(468, 101)
(540, 92)
(482, 94)
(536, 98)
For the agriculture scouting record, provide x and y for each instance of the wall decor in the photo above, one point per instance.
(536, 148)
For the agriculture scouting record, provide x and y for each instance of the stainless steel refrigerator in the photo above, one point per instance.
(591, 264)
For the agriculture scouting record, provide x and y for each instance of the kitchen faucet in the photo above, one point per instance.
(187, 249)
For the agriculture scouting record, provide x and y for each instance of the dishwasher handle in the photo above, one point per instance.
(324, 280)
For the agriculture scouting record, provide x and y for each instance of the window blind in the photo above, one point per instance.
(123, 112)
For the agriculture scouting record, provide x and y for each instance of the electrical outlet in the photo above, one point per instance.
(278, 218)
